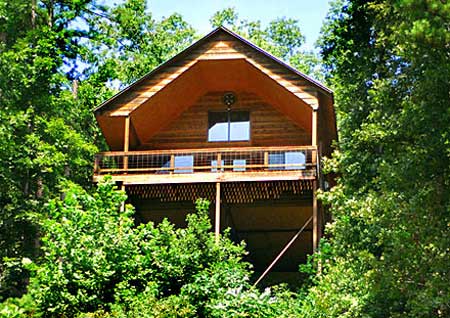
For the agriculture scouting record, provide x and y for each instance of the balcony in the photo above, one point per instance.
(208, 165)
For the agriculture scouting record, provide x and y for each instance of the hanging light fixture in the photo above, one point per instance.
(229, 98)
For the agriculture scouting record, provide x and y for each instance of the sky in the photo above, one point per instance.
(309, 13)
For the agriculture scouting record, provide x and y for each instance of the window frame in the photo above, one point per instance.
(229, 122)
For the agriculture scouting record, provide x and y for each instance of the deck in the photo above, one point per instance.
(208, 165)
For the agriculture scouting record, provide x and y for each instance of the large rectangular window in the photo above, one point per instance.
(229, 126)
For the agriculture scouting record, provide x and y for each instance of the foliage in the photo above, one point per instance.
(97, 263)
(94, 256)
(130, 42)
(42, 143)
(389, 63)
(282, 38)
(59, 60)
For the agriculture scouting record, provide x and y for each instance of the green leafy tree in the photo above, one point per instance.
(388, 251)
(41, 140)
(96, 263)
(58, 60)
(130, 42)
(282, 38)
(95, 258)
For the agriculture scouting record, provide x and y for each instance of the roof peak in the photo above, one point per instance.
(201, 41)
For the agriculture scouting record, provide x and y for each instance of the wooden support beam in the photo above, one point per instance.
(122, 206)
(126, 141)
(206, 177)
(172, 163)
(217, 216)
(283, 251)
(314, 128)
(96, 164)
(219, 162)
(315, 216)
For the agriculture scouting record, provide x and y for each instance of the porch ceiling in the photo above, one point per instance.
(161, 108)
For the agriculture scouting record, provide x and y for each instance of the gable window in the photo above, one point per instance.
(229, 126)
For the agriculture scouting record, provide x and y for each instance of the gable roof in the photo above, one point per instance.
(220, 61)
(108, 104)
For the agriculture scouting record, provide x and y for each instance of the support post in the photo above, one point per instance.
(126, 142)
(217, 216)
(314, 128)
(172, 164)
(266, 160)
(219, 162)
(316, 234)
(122, 206)
(315, 217)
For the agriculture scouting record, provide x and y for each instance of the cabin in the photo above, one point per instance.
(226, 121)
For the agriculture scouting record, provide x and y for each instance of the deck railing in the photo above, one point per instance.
(182, 161)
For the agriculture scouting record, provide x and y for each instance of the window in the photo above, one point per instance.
(229, 126)
(288, 158)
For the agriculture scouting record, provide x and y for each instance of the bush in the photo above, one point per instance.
(96, 263)
(95, 258)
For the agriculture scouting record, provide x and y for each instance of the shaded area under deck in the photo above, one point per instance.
(266, 215)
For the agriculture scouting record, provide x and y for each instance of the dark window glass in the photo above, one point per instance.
(229, 126)
(218, 129)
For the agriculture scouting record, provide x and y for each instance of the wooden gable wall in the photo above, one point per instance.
(216, 63)
(268, 126)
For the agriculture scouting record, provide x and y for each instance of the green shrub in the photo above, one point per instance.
(95, 259)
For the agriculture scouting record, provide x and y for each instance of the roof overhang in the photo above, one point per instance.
(163, 94)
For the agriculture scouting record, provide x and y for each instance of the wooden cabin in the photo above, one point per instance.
(226, 121)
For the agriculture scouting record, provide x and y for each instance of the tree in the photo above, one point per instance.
(41, 143)
(388, 255)
(58, 60)
(130, 42)
(282, 38)
(97, 262)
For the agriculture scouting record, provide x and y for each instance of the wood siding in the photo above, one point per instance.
(219, 62)
(221, 47)
(268, 126)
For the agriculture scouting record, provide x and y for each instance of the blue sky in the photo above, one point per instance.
(310, 13)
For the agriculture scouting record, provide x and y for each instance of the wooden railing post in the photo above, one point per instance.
(172, 163)
(217, 215)
(219, 162)
(266, 159)
(96, 163)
